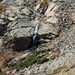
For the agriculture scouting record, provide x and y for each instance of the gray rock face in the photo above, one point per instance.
(8, 1)
(19, 34)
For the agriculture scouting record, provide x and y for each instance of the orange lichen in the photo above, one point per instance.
(60, 13)
(49, 17)
(1, 11)
(45, 0)
(33, 26)
(62, 17)
(38, 0)
(44, 16)
(23, 52)
(54, 51)
(30, 6)
(16, 5)
(49, 1)
(45, 56)
(65, 11)
(1, 8)
(9, 4)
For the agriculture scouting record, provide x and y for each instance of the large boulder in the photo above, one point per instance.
(18, 35)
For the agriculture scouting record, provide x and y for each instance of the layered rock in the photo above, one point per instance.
(19, 33)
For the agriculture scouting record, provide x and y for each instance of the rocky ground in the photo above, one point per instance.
(54, 53)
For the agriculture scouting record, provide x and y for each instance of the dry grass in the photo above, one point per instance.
(47, 55)
(10, 4)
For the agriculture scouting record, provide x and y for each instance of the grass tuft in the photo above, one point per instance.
(25, 0)
(38, 52)
(53, 58)
(43, 60)
(67, 70)
(26, 15)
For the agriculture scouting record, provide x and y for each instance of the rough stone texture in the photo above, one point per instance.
(2, 27)
(22, 29)
(18, 34)
(8, 1)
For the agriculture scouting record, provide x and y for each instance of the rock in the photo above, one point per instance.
(14, 71)
(19, 33)
(43, 7)
(1, 0)
(20, 38)
(27, 11)
(18, 2)
(8, 72)
(2, 27)
(8, 1)
(55, 0)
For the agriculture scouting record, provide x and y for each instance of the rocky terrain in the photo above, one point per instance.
(37, 37)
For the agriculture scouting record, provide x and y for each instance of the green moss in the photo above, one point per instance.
(30, 61)
(3, 18)
(67, 70)
(26, 15)
(43, 60)
(21, 74)
(23, 14)
(53, 58)
(25, 0)
(38, 57)
(38, 52)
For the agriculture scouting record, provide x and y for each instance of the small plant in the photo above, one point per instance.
(28, 15)
(38, 57)
(25, 0)
(3, 18)
(25, 14)
(0, 70)
(30, 61)
(43, 60)
(53, 58)
(21, 74)
(38, 52)
(67, 70)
